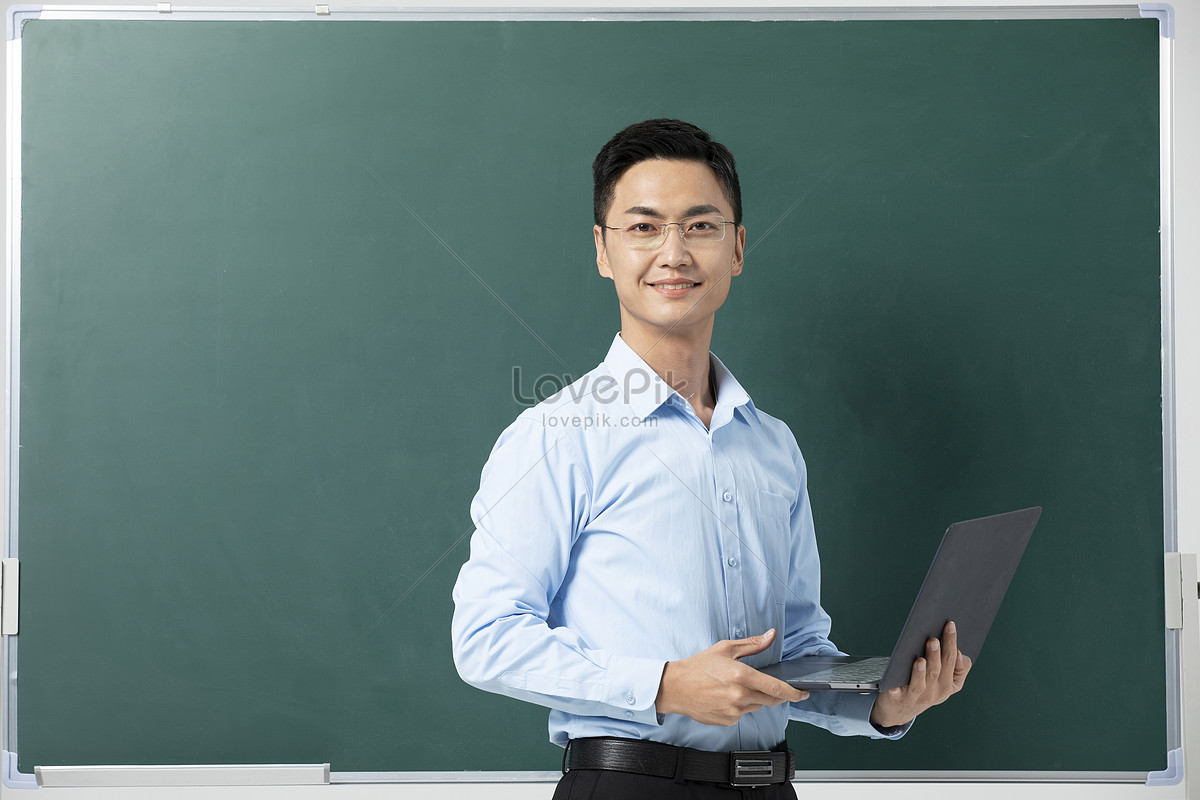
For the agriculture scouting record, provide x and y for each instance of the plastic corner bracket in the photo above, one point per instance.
(14, 779)
(1172, 775)
(17, 16)
(1164, 13)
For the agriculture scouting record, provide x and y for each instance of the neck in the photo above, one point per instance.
(682, 361)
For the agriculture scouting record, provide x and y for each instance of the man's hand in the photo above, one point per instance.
(935, 677)
(714, 688)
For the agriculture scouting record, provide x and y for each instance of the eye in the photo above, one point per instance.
(642, 229)
(705, 229)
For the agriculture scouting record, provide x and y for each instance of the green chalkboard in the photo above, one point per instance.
(282, 283)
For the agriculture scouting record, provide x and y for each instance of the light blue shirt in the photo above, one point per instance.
(614, 533)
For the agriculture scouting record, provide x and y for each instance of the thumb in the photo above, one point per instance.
(740, 648)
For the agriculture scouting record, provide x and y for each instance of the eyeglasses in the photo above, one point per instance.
(648, 235)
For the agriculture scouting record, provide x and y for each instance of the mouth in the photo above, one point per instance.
(676, 286)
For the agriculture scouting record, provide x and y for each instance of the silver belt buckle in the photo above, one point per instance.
(752, 768)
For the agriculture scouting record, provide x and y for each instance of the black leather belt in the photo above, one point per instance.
(739, 768)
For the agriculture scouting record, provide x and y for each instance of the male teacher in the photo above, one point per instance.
(644, 538)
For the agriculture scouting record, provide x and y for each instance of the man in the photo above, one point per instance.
(644, 538)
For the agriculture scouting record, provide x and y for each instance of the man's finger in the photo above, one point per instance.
(774, 688)
(950, 636)
(949, 648)
(916, 683)
(933, 658)
(740, 648)
(961, 668)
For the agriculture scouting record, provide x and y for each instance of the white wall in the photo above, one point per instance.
(1187, 300)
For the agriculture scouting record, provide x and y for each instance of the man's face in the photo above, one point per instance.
(677, 286)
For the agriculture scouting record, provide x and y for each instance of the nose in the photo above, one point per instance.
(674, 247)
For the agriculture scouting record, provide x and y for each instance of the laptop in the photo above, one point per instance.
(966, 582)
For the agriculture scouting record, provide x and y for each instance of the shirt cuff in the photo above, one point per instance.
(632, 687)
(854, 712)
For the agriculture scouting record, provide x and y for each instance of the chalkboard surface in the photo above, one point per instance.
(282, 284)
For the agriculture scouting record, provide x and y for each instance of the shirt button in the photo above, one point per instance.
(733, 562)
(629, 698)
(727, 497)
(628, 715)
(737, 633)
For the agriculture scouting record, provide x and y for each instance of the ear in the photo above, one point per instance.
(739, 251)
(601, 252)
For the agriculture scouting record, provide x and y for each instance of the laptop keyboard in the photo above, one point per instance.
(869, 670)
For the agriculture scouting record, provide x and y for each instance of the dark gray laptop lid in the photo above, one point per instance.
(966, 582)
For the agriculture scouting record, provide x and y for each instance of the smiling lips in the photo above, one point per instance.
(674, 289)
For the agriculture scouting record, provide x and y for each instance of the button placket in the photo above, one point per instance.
(726, 509)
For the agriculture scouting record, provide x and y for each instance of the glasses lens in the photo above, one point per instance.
(703, 229)
(643, 234)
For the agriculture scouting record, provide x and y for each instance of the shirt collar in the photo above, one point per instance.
(644, 391)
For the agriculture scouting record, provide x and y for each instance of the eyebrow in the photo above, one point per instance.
(646, 211)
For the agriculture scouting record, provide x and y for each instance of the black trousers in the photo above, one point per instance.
(596, 784)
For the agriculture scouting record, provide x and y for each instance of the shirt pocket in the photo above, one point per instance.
(773, 524)
(774, 515)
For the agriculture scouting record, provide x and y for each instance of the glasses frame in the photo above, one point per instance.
(650, 244)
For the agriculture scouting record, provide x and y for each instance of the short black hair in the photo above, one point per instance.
(668, 139)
